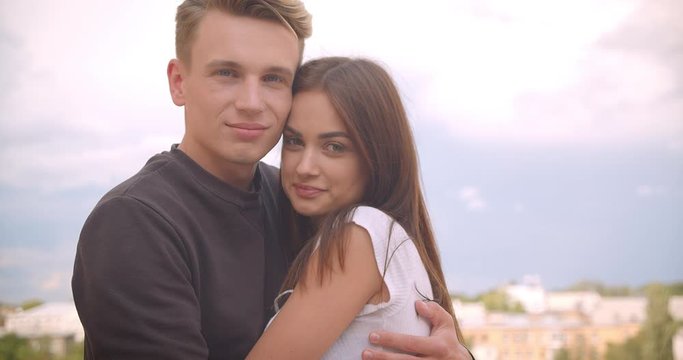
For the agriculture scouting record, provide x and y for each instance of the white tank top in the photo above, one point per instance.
(404, 274)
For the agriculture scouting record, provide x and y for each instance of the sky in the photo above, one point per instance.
(550, 132)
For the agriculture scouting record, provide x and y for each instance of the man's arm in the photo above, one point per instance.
(132, 286)
(441, 344)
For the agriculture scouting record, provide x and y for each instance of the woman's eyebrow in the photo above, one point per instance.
(333, 134)
(327, 135)
(291, 129)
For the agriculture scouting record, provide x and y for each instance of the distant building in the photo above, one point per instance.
(470, 313)
(678, 345)
(541, 336)
(55, 325)
(5, 310)
(567, 301)
(581, 321)
(530, 294)
(616, 319)
(676, 307)
(619, 310)
(522, 336)
(676, 312)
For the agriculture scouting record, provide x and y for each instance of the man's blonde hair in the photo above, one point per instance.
(290, 13)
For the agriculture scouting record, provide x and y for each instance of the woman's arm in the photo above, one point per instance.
(317, 314)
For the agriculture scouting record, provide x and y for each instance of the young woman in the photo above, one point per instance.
(349, 169)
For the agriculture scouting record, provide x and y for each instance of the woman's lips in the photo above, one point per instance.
(307, 192)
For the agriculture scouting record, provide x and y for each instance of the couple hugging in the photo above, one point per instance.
(208, 253)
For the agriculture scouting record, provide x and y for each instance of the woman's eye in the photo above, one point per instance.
(335, 147)
(291, 141)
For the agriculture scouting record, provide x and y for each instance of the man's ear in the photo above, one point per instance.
(175, 81)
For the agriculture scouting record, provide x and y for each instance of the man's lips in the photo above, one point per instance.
(306, 191)
(248, 131)
(248, 126)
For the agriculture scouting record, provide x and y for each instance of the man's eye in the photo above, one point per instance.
(273, 78)
(225, 72)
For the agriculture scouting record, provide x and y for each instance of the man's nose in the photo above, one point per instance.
(249, 97)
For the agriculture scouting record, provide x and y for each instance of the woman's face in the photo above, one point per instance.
(321, 169)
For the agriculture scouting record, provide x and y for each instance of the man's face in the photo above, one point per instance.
(236, 91)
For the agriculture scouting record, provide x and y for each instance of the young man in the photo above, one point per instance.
(183, 260)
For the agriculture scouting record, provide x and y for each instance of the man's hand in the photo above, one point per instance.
(442, 343)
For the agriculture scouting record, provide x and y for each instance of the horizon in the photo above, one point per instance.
(455, 295)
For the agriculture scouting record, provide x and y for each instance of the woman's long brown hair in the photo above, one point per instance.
(366, 99)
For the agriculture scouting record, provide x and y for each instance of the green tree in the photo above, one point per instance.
(602, 289)
(562, 354)
(463, 297)
(75, 352)
(31, 303)
(629, 350)
(654, 341)
(659, 328)
(13, 347)
(498, 300)
(580, 350)
(676, 288)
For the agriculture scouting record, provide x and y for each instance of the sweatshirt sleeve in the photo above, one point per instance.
(133, 288)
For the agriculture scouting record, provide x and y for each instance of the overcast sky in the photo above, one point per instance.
(550, 132)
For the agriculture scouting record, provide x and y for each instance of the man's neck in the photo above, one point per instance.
(237, 175)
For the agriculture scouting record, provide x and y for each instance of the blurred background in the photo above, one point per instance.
(550, 132)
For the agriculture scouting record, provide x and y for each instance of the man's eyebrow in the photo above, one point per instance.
(223, 63)
(282, 70)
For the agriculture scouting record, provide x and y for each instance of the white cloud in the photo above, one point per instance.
(471, 197)
(55, 166)
(519, 208)
(536, 77)
(90, 106)
(675, 145)
(53, 281)
(520, 72)
(20, 256)
(647, 191)
(16, 256)
(91, 112)
(35, 272)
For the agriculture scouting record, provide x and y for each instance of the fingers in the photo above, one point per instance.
(435, 314)
(441, 344)
(380, 355)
